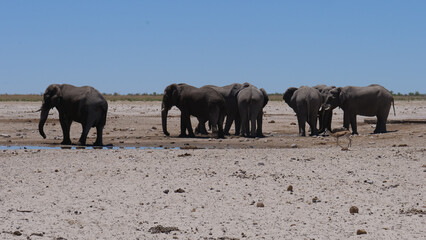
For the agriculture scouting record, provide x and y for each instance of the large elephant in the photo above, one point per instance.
(324, 116)
(204, 103)
(306, 102)
(251, 102)
(373, 100)
(84, 105)
(229, 93)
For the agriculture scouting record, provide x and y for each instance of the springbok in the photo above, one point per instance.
(341, 132)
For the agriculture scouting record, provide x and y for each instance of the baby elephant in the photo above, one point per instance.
(306, 102)
(84, 105)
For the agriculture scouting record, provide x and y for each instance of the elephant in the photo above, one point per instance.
(306, 102)
(251, 102)
(229, 93)
(324, 116)
(84, 105)
(204, 103)
(372, 100)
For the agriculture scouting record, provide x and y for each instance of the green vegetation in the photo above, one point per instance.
(156, 97)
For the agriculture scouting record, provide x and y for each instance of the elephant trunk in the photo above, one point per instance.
(164, 112)
(43, 117)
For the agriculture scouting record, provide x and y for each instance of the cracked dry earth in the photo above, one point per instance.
(279, 187)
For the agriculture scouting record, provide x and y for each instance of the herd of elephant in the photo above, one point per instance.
(241, 104)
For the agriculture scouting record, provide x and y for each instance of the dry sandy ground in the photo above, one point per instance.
(234, 188)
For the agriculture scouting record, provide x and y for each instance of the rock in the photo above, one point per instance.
(161, 229)
(353, 210)
(166, 191)
(179, 190)
(17, 233)
(293, 123)
(315, 200)
(293, 145)
(290, 188)
(5, 135)
(260, 204)
(272, 121)
(360, 232)
(368, 181)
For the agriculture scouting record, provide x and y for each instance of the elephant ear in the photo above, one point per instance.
(174, 93)
(52, 96)
(342, 96)
(265, 97)
(289, 94)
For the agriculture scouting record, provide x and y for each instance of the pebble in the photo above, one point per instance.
(293, 145)
(353, 210)
(260, 204)
(360, 232)
(290, 188)
(179, 190)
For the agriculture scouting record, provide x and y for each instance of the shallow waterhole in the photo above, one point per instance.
(3, 147)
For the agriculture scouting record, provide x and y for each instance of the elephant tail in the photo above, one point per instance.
(393, 104)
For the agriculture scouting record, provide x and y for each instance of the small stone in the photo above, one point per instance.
(179, 190)
(293, 145)
(353, 210)
(260, 204)
(315, 200)
(360, 232)
(293, 123)
(17, 233)
(272, 121)
(166, 191)
(290, 188)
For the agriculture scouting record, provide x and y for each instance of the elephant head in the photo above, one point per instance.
(335, 98)
(288, 94)
(51, 98)
(170, 99)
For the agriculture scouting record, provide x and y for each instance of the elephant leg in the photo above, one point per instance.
(301, 121)
(321, 119)
(228, 123)
(381, 125)
(259, 132)
(244, 121)
(237, 124)
(86, 128)
(328, 120)
(99, 133)
(346, 120)
(201, 127)
(66, 126)
(353, 124)
(216, 121)
(313, 125)
(183, 125)
(253, 119)
(189, 127)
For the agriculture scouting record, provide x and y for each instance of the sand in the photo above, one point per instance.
(234, 188)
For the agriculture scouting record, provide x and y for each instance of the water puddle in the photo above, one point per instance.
(77, 147)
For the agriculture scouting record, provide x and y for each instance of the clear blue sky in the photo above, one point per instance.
(143, 46)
